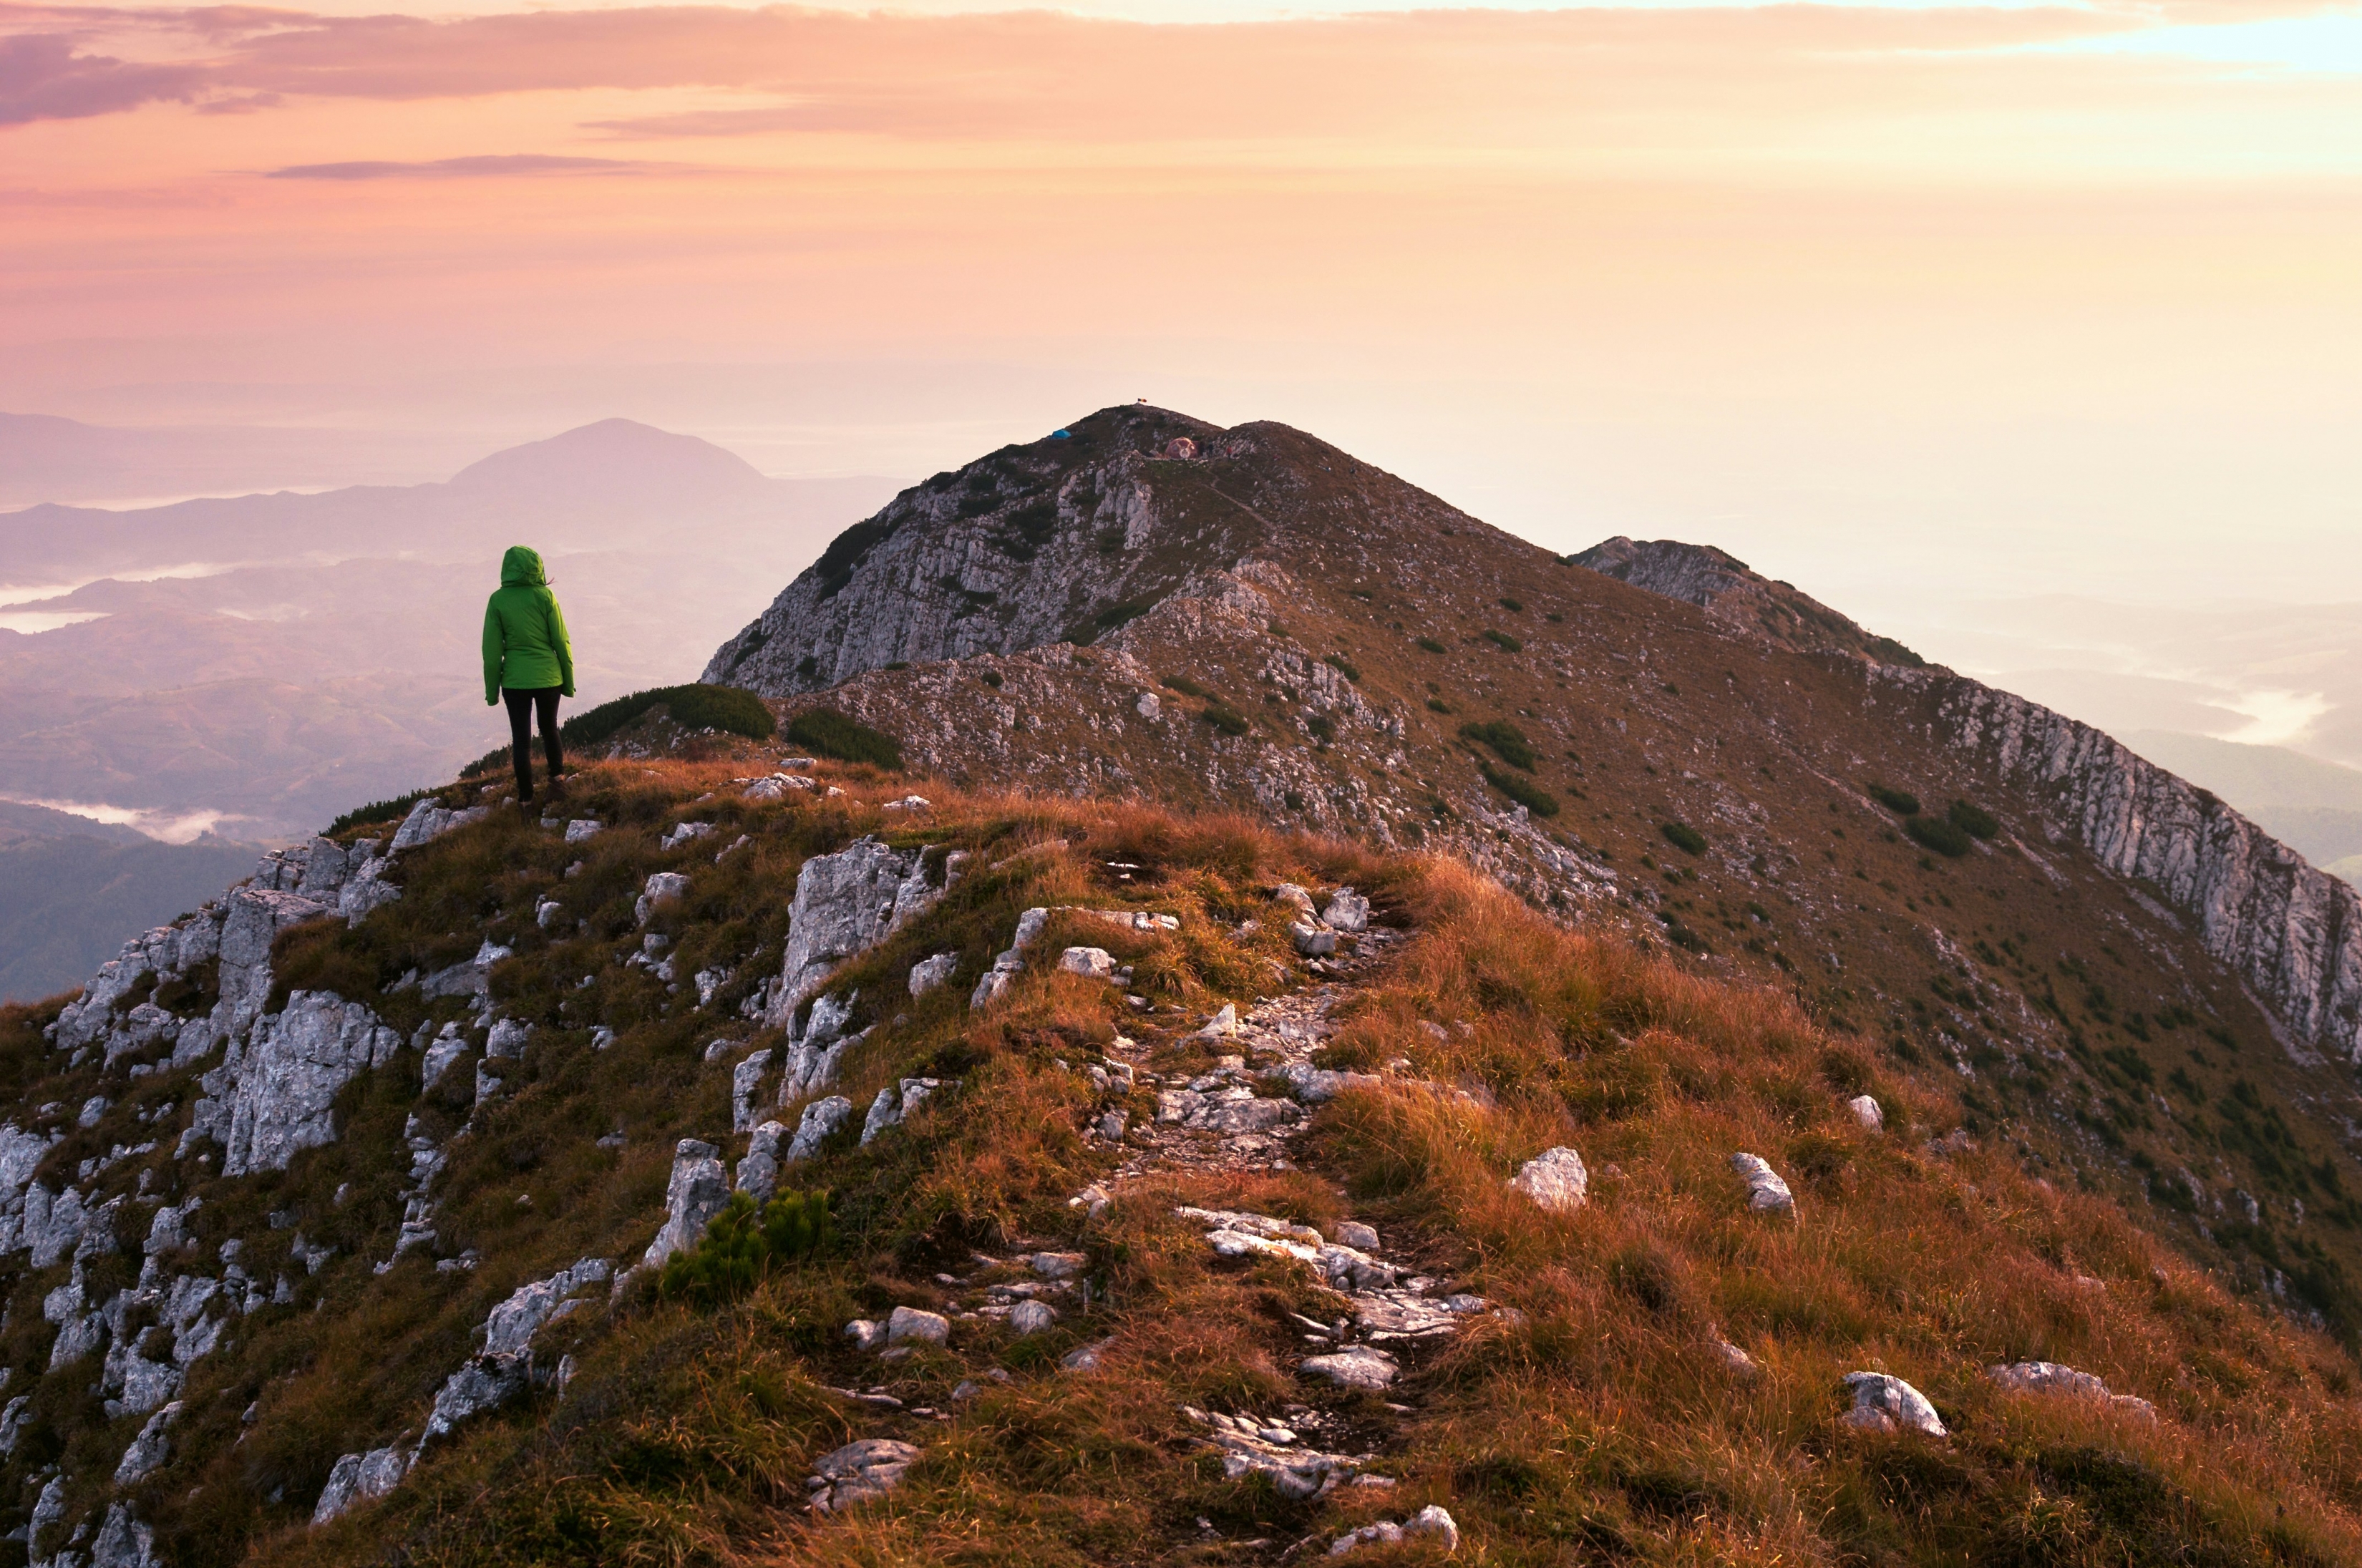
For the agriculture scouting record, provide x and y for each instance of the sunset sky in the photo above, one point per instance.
(1893, 300)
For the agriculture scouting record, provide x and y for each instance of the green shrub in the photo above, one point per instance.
(1345, 666)
(991, 678)
(1938, 833)
(1506, 740)
(1503, 640)
(1539, 802)
(1437, 704)
(1886, 650)
(1431, 646)
(1188, 688)
(1902, 802)
(695, 707)
(1229, 721)
(743, 1245)
(1514, 607)
(827, 733)
(1323, 728)
(1974, 820)
(383, 810)
(1684, 837)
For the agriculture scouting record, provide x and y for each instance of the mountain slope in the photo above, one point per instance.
(2119, 968)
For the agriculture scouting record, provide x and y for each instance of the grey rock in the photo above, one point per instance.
(909, 1325)
(1767, 1193)
(1431, 1524)
(1009, 962)
(48, 1509)
(1319, 1085)
(429, 820)
(123, 1542)
(865, 1335)
(694, 1194)
(745, 1079)
(510, 1327)
(928, 974)
(2050, 1377)
(506, 1040)
(288, 1077)
(150, 1449)
(1865, 1112)
(1356, 1367)
(684, 832)
(441, 1054)
(365, 889)
(758, 1173)
(483, 1383)
(1353, 1233)
(252, 920)
(1223, 1024)
(1555, 1181)
(845, 904)
(581, 828)
(896, 1102)
(821, 1120)
(1347, 911)
(1229, 1111)
(778, 787)
(1090, 963)
(12, 1422)
(1057, 1265)
(95, 1107)
(1311, 941)
(860, 1472)
(1886, 1404)
(662, 888)
(1086, 1358)
(1030, 1317)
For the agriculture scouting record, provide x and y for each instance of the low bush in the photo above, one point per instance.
(1974, 820)
(1535, 799)
(1344, 666)
(1506, 739)
(1514, 607)
(1938, 833)
(1902, 802)
(1502, 640)
(1229, 721)
(1431, 646)
(827, 733)
(1188, 688)
(743, 1245)
(1684, 837)
(697, 706)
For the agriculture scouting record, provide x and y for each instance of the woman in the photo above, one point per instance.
(528, 661)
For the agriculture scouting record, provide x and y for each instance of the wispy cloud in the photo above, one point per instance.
(487, 166)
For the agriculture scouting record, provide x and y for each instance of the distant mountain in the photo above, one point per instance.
(67, 902)
(46, 458)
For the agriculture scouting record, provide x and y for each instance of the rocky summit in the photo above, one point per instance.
(1221, 1011)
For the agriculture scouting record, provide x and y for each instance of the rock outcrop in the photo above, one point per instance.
(845, 904)
(276, 1093)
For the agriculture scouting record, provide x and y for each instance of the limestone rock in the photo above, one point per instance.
(758, 1173)
(859, 1472)
(581, 828)
(252, 920)
(1090, 963)
(150, 1449)
(909, 1325)
(361, 1477)
(683, 833)
(821, 1120)
(1347, 911)
(12, 1422)
(928, 974)
(1223, 1024)
(663, 887)
(1353, 1233)
(441, 1053)
(846, 903)
(745, 1079)
(1008, 963)
(1431, 1524)
(428, 821)
(1312, 940)
(288, 1077)
(1555, 1181)
(1865, 1112)
(778, 787)
(123, 1542)
(510, 1327)
(1356, 1367)
(695, 1194)
(483, 1383)
(2050, 1377)
(1229, 1110)
(894, 1102)
(1766, 1192)
(1030, 1317)
(506, 1040)
(1319, 1085)
(1888, 1404)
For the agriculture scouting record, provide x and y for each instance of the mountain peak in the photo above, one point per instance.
(609, 460)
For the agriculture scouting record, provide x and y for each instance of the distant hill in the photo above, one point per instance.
(68, 903)
(46, 458)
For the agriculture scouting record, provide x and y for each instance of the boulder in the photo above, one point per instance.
(581, 828)
(1091, 962)
(150, 1449)
(662, 888)
(123, 1542)
(2050, 1377)
(1431, 1524)
(1555, 1181)
(1312, 940)
(1865, 1111)
(821, 1120)
(507, 1039)
(1031, 1318)
(928, 974)
(845, 904)
(1353, 1233)
(1886, 1404)
(428, 821)
(361, 1477)
(445, 1049)
(683, 833)
(865, 1334)
(859, 1472)
(895, 1102)
(758, 1173)
(252, 922)
(510, 1327)
(745, 1079)
(1356, 1367)
(1347, 911)
(1009, 962)
(692, 1197)
(1292, 897)
(287, 1078)
(778, 787)
(482, 1383)
(1766, 1192)
(909, 1325)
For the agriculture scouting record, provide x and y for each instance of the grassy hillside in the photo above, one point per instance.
(1584, 1411)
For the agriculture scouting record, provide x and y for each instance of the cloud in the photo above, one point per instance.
(41, 78)
(487, 166)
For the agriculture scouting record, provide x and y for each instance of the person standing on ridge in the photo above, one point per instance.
(528, 661)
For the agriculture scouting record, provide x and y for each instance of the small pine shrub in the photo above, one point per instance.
(827, 733)
(1438, 705)
(1974, 820)
(743, 1245)
(1514, 607)
(992, 677)
(1938, 833)
(1431, 646)
(1503, 640)
(1228, 720)
(1323, 728)
(1507, 741)
(1188, 688)
(384, 811)
(1902, 802)
(1345, 666)
(1535, 799)
(1684, 837)
(693, 707)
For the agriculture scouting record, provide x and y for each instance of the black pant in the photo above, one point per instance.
(522, 705)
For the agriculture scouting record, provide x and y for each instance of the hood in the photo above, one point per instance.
(522, 568)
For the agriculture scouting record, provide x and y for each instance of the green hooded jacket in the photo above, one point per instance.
(525, 633)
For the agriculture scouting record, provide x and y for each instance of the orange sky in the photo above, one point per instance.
(1875, 296)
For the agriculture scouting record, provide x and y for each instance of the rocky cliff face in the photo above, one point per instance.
(1726, 589)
